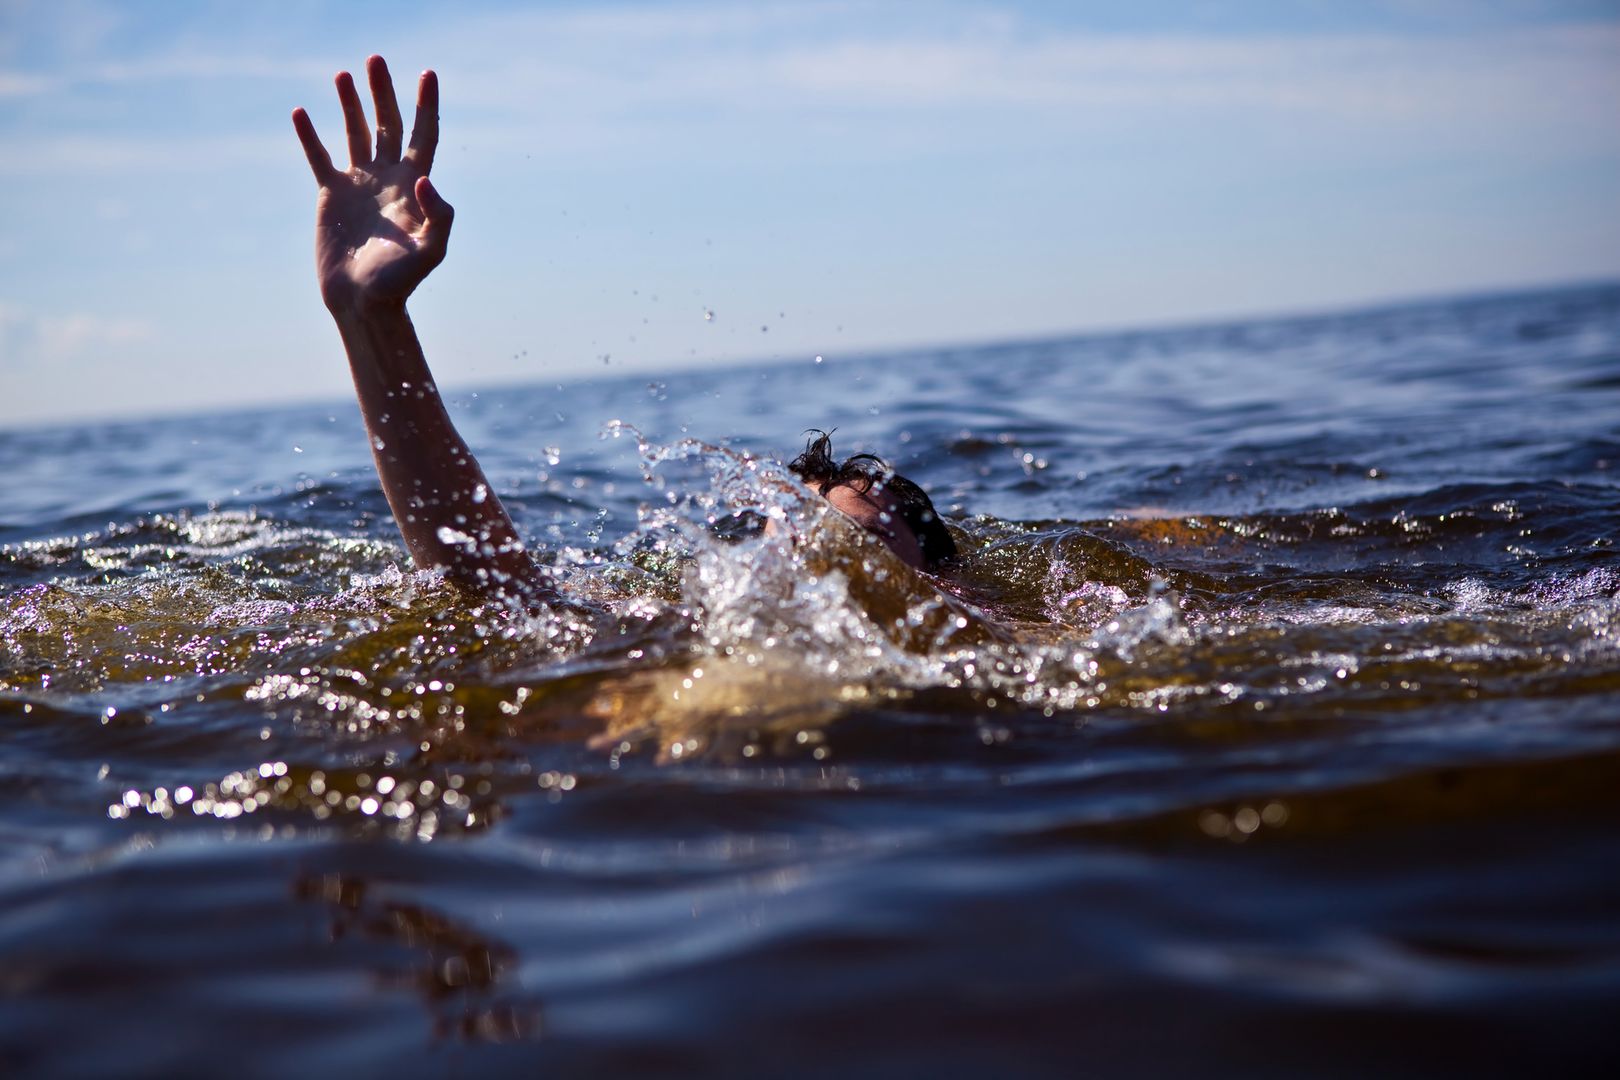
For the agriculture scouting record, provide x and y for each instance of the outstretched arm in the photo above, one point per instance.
(380, 229)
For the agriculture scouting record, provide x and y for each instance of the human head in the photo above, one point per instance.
(880, 500)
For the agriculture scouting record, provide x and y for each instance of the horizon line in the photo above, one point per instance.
(1171, 325)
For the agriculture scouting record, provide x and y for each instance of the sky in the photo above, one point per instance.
(657, 186)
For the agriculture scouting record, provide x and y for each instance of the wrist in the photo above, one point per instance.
(349, 306)
(378, 338)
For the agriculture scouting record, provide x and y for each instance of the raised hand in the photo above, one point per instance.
(380, 228)
(380, 225)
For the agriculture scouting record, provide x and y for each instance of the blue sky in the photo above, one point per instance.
(825, 178)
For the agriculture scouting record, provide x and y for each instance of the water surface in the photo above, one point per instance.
(1267, 726)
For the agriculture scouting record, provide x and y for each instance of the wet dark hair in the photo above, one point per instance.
(864, 472)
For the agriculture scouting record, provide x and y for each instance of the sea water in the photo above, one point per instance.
(1268, 725)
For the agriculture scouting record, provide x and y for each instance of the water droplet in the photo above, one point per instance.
(297, 449)
(708, 315)
(377, 442)
(818, 359)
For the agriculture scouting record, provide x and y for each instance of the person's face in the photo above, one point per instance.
(879, 514)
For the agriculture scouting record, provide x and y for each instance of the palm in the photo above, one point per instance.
(368, 234)
(380, 227)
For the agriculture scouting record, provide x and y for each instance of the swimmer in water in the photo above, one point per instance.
(380, 228)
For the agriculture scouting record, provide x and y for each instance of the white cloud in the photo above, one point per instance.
(206, 66)
(606, 69)
(578, 80)
(29, 339)
(19, 84)
(119, 155)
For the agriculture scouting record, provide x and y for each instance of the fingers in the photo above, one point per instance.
(390, 128)
(425, 135)
(354, 121)
(320, 162)
(438, 216)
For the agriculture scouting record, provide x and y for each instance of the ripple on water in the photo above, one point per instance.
(1273, 720)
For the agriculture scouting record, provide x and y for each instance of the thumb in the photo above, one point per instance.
(437, 214)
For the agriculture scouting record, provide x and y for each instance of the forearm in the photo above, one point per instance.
(445, 508)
